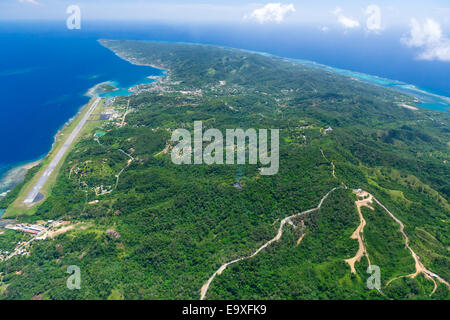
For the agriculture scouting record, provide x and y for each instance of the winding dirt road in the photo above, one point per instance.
(420, 268)
(219, 271)
(358, 234)
(333, 167)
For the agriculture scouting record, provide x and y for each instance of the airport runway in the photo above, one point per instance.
(35, 193)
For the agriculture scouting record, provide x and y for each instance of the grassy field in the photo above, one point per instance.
(18, 208)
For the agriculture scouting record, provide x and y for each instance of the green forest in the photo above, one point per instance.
(162, 230)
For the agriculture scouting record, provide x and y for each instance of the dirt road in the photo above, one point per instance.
(219, 271)
(367, 198)
(420, 268)
(358, 234)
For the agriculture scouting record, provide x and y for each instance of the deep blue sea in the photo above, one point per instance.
(45, 70)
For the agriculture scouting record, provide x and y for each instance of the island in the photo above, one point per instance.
(362, 184)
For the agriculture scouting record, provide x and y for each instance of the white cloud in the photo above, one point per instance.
(345, 21)
(348, 22)
(429, 37)
(30, 1)
(271, 12)
(373, 22)
(337, 11)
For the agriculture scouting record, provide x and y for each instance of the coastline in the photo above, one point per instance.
(427, 99)
(131, 60)
(16, 173)
(17, 207)
(94, 91)
(15, 176)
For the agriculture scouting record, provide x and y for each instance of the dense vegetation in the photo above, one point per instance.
(175, 225)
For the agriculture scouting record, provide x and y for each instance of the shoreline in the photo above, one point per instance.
(15, 176)
(405, 88)
(16, 173)
(93, 91)
(19, 206)
(397, 85)
(31, 165)
(131, 60)
(423, 96)
(56, 159)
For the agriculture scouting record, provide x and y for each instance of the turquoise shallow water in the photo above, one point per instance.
(46, 70)
(124, 91)
(428, 99)
(118, 91)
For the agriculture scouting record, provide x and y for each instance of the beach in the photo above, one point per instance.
(15, 176)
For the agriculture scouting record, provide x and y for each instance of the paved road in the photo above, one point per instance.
(35, 195)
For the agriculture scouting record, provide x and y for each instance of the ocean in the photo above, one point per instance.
(44, 78)
(46, 70)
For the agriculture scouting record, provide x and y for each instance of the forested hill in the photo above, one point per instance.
(145, 228)
(204, 66)
(301, 91)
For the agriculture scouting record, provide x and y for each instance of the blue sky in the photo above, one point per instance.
(425, 24)
(322, 12)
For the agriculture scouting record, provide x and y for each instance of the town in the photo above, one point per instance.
(39, 231)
